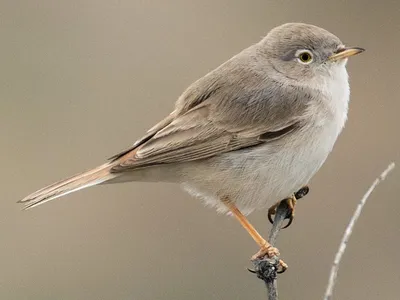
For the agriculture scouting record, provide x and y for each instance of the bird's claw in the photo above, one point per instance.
(291, 202)
(267, 268)
(282, 267)
(267, 260)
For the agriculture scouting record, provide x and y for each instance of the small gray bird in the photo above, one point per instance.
(252, 131)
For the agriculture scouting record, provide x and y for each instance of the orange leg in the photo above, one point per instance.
(266, 249)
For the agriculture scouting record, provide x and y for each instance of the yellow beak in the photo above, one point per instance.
(345, 52)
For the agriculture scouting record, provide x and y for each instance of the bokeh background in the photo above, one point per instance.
(81, 80)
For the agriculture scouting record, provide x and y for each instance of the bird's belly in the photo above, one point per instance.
(257, 177)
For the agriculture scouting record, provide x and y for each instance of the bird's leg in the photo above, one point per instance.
(266, 249)
(291, 204)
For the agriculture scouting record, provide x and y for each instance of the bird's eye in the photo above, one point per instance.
(305, 56)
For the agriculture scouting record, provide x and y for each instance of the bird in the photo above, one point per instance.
(252, 131)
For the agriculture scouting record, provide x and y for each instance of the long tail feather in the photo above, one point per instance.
(90, 178)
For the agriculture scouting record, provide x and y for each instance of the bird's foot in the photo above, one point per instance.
(271, 253)
(291, 202)
(266, 251)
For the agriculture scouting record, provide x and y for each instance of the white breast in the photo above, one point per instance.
(336, 93)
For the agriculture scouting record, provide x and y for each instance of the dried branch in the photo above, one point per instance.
(349, 230)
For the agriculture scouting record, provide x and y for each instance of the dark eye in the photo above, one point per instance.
(305, 56)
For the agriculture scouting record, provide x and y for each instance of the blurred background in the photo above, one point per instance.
(82, 80)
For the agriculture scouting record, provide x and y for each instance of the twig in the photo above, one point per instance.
(349, 230)
(267, 268)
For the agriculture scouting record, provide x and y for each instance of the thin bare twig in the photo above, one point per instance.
(282, 212)
(349, 230)
(267, 268)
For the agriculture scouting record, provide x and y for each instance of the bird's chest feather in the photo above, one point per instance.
(330, 113)
(301, 157)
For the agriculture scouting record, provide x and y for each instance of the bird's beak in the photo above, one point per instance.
(345, 52)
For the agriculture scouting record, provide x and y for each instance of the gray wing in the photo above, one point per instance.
(231, 108)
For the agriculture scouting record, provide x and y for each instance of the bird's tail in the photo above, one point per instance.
(92, 177)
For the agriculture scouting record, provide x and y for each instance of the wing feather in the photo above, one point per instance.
(231, 108)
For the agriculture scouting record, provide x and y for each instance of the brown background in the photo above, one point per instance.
(81, 80)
